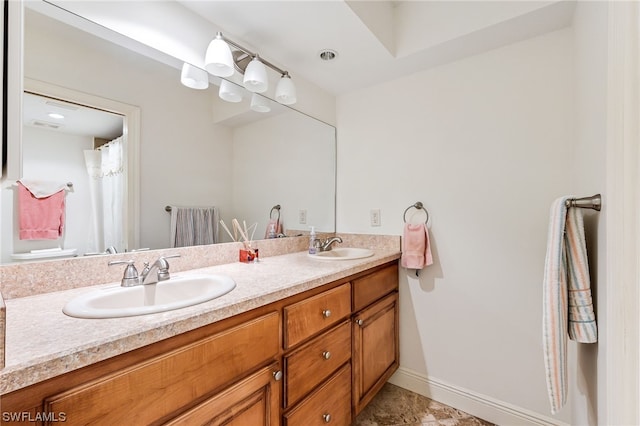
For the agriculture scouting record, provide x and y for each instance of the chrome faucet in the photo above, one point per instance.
(326, 245)
(132, 278)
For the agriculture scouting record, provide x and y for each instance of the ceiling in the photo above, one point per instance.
(377, 40)
(76, 120)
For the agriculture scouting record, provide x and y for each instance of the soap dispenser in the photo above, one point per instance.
(312, 241)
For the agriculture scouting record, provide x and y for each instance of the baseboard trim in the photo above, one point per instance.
(482, 406)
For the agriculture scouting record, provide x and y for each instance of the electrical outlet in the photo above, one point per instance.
(375, 217)
(302, 217)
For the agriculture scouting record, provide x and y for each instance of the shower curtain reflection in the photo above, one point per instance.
(105, 166)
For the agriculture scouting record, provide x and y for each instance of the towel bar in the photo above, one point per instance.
(69, 184)
(277, 209)
(418, 206)
(594, 202)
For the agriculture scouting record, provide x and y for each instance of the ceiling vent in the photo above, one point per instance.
(46, 124)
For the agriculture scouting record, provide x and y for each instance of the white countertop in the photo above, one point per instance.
(42, 342)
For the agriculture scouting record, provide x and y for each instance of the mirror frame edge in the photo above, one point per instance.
(14, 89)
(131, 129)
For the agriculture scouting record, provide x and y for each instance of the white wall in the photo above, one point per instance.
(182, 164)
(590, 47)
(486, 143)
(307, 148)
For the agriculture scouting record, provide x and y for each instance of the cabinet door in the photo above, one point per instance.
(375, 349)
(253, 401)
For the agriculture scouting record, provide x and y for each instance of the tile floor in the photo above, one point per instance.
(395, 406)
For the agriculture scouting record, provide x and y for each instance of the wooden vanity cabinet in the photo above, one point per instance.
(314, 358)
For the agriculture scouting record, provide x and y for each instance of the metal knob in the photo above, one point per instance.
(326, 417)
(359, 322)
(277, 375)
(326, 313)
(326, 354)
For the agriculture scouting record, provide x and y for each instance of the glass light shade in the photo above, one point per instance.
(194, 77)
(218, 59)
(255, 76)
(286, 91)
(230, 92)
(260, 103)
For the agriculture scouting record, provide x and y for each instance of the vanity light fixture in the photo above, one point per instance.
(259, 103)
(285, 90)
(220, 61)
(194, 77)
(56, 115)
(229, 92)
(255, 76)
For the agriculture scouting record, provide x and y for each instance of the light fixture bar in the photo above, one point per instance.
(253, 55)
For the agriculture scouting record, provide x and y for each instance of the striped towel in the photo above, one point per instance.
(193, 226)
(567, 309)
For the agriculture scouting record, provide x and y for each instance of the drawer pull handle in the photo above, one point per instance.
(326, 354)
(277, 375)
(359, 322)
(326, 417)
(326, 313)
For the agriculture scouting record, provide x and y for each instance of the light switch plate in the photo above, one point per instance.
(375, 217)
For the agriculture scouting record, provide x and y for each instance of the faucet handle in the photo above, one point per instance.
(170, 256)
(130, 276)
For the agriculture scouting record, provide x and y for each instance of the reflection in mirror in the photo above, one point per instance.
(195, 149)
(86, 148)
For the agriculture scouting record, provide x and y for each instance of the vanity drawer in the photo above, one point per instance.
(309, 365)
(171, 381)
(308, 317)
(331, 403)
(372, 287)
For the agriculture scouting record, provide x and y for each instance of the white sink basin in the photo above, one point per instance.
(343, 253)
(175, 293)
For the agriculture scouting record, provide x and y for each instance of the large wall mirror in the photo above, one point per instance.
(181, 146)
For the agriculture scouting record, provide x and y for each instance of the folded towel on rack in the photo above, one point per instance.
(416, 249)
(40, 217)
(193, 226)
(43, 188)
(582, 319)
(567, 309)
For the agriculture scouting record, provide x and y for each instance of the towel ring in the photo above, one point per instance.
(418, 206)
(277, 209)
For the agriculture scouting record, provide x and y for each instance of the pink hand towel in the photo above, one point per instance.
(40, 218)
(416, 250)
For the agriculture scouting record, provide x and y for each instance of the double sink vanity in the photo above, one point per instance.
(293, 339)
